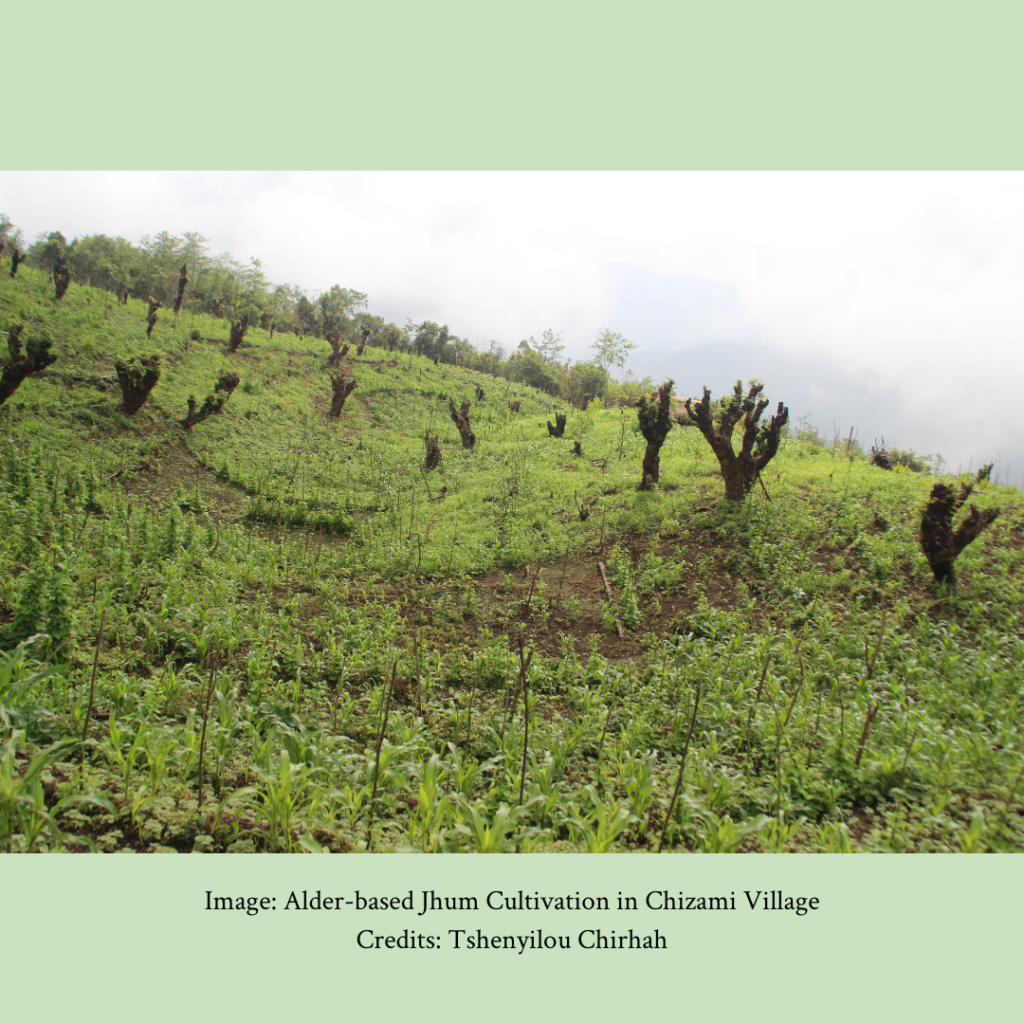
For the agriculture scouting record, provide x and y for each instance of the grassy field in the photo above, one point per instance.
(276, 632)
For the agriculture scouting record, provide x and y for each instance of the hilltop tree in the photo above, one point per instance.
(23, 361)
(550, 346)
(137, 379)
(393, 335)
(368, 329)
(104, 262)
(527, 366)
(9, 234)
(941, 545)
(655, 423)
(760, 440)
(611, 349)
(581, 383)
(46, 250)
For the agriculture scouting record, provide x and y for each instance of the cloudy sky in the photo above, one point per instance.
(901, 294)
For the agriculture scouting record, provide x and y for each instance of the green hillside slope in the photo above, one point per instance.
(309, 641)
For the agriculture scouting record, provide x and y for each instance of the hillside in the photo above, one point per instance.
(336, 643)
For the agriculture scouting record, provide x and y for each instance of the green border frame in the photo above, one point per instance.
(469, 85)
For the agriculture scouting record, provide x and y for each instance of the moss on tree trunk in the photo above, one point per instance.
(655, 423)
(137, 379)
(740, 470)
(940, 543)
(151, 317)
(342, 388)
(61, 277)
(238, 329)
(461, 420)
(31, 358)
(182, 285)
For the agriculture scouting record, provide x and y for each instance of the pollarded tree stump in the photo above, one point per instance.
(461, 421)
(342, 388)
(137, 379)
(238, 329)
(559, 426)
(941, 545)
(151, 316)
(61, 277)
(433, 459)
(740, 470)
(182, 284)
(24, 360)
(227, 382)
(655, 423)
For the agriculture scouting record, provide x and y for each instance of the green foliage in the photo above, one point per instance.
(611, 349)
(307, 564)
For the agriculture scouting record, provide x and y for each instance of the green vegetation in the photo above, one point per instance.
(275, 631)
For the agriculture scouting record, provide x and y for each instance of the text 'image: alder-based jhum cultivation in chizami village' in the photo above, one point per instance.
(278, 573)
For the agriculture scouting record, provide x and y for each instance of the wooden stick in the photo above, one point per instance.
(92, 685)
(380, 743)
(608, 591)
(202, 741)
(864, 734)
(682, 766)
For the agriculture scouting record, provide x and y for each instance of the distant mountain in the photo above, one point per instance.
(696, 332)
(658, 310)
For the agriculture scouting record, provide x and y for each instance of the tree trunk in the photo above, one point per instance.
(61, 277)
(461, 421)
(342, 387)
(213, 404)
(740, 470)
(433, 460)
(20, 366)
(137, 380)
(182, 283)
(736, 485)
(559, 427)
(940, 544)
(151, 317)
(655, 423)
(238, 329)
